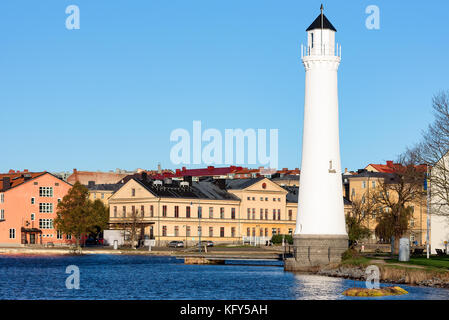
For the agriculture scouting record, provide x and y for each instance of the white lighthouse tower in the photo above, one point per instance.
(320, 235)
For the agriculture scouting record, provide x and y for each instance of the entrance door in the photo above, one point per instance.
(32, 238)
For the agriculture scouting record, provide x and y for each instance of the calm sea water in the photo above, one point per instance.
(150, 277)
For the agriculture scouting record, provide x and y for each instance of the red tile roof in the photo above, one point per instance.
(17, 178)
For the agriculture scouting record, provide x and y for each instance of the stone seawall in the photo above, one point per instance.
(389, 274)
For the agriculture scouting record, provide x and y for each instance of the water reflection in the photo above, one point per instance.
(147, 277)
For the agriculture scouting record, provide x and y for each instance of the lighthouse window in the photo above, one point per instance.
(311, 35)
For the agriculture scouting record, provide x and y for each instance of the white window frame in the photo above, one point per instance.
(46, 192)
(45, 207)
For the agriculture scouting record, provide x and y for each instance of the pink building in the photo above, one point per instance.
(28, 203)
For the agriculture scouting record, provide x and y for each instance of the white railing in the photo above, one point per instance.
(254, 241)
(323, 51)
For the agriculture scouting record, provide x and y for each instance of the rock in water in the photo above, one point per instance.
(364, 292)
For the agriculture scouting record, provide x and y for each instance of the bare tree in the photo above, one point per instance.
(132, 226)
(434, 151)
(397, 192)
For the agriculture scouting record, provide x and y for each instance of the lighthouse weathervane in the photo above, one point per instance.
(320, 235)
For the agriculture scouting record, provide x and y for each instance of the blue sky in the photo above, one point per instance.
(108, 95)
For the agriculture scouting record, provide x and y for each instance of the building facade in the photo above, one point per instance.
(28, 202)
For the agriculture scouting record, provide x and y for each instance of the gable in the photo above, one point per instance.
(125, 192)
(266, 185)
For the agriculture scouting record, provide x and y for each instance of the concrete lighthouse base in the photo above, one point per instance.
(316, 250)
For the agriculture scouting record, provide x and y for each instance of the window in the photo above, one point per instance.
(311, 39)
(261, 232)
(290, 215)
(249, 198)
(232, 213)
(176, 231)
(274, 214)
(69, 237)
(2, 214)
(115, 211)
(2, 197)
(133, 192)
(261, 214)
(373, 184)
(261, 198)
(211, 212)
(200, 212)
(249, 213)
(290, 231)
(151, 211)
(273, 231)
(187, 212)
(12, 233)
(46, 207)
(142, 211)
(164, 231)
(199, 231)
(363, 184)
(187, 231)
(266, 232)
(233, 232)
(279, 214)
(248, 232)
(124, 211)
(45, 191)
(279, 199)
(95, 196)
(274, 199)
(59, 235)
(412, 222)
(133, 210)
(254, 198)
(211, 231)
(254, 232)
(164, 211)
(222, 232)
(222, 213)
(32, 200)
(46, 223)
(32, 217)
(102, 196)
(266, 199)
(254, 213)
(412, 237)
(266, 214)
(176, 211)
(59, 200)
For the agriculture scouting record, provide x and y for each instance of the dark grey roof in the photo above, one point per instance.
(369, 174)
(293, 193)
(317, 24)
(241, 183)
(198, 190)
(286, 177)
(105, 187)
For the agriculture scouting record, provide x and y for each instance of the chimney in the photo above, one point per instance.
(221, 183)
(346, 170)
(6, 183)
(188, 179)
(159, 169)
(390, 163)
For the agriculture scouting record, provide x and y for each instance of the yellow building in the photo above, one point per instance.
(360, 186)
(223, 211)
(102, 191)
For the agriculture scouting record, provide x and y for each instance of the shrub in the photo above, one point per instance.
(277, 238)
(350, 254)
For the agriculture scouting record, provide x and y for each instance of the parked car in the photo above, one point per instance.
(207, 243)
(176, 244)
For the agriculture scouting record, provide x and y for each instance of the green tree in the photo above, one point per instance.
(77, 215)
(356, 219)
